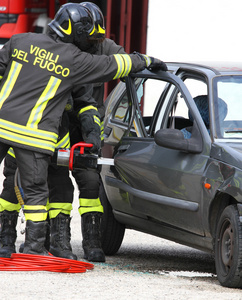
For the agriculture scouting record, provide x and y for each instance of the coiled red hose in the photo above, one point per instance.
(30, 262)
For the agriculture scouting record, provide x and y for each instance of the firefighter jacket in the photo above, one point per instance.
(39, 73)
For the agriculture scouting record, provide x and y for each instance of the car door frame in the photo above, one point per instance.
(131, 92)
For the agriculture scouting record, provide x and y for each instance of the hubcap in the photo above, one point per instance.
(227, 245)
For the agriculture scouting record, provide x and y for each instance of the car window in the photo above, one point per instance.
(122, 111)
(227, 107)
(175, 112)
(160, 105)
(121, 114)
(149, 93)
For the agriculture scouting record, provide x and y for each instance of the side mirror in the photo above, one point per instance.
(174, 139)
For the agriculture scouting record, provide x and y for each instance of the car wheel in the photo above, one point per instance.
(228, 248)
(112, 230)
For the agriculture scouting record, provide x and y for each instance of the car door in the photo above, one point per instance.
(164, 185)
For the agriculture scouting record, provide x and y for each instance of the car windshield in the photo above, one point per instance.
(228, 107)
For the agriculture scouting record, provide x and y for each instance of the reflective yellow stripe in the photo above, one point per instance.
(93, 30)
(56, 208)
(120, 65)
(89, 202)
(124, 63)
(66, 206)
(102, 131)
(27, 136)
(100, 29)
(36, 143)
(11, 152)
(64, 142)
(40, 214)
(40, 134)
(127, 64)
(36, 217)
(6, 205)
(89, 107)
(68, 30)
(89, 205)
(35, 207)
(40, 105)
(147, 60)
(9, 83)
(97, 120)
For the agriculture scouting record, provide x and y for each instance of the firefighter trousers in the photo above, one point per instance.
(88, 181)
(33, 168)
(60, 191)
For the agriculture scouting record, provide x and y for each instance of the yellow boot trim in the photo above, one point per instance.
(35, 213)
(6, 205)
(90, 205)
(56, 208)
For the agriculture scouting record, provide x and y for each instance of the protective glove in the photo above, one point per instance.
(153, 63)
(90, 126)
(95, 139)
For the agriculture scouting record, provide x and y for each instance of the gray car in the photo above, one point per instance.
(176, 141)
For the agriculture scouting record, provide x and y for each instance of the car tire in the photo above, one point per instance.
(112, 230)
(228, 248)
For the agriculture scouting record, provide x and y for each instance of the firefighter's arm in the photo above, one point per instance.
(90, 126)
(100, 68)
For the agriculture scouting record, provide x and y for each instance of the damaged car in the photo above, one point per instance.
(175, 138)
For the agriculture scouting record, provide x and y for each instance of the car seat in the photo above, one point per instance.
(202, 105)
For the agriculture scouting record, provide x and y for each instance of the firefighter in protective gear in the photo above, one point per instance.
(10, 206)
(39, 73)
(88, 180)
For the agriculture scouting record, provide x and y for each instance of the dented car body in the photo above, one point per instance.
(176, 141)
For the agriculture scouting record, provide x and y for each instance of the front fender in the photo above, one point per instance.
(224, 178)
(232, 184)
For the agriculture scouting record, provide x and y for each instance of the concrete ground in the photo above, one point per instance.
(145, 267)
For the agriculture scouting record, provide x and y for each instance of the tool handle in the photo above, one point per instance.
(82, 146)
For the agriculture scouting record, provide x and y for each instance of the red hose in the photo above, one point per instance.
(30, 262)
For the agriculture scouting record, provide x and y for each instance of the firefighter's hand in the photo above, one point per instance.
(94, 139)
(153, 63)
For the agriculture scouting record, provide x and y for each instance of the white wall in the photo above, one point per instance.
(195, 30)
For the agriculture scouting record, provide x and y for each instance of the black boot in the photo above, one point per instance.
(8, 233)
(60, 237)
(35, 234)
(47, 240)
(91, 233)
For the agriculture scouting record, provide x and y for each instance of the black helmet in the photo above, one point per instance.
(74, 23)
(99, 33)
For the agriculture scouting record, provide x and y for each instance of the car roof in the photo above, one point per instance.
(218, 68)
